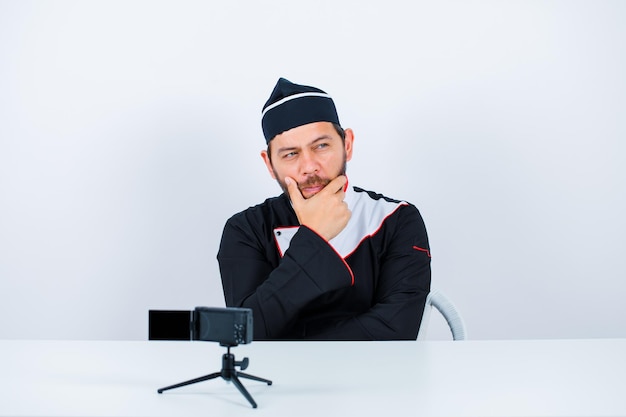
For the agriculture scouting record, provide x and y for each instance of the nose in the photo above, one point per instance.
(309, 163)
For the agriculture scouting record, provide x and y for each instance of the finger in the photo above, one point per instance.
(293, 190)
(336, 185)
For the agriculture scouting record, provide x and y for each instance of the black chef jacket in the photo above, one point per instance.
(370, 282)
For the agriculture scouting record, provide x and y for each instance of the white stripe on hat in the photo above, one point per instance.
(292, 97)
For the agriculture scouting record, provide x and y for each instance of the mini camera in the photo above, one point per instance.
(229, 326)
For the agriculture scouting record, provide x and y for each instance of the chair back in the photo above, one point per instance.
(436, 299)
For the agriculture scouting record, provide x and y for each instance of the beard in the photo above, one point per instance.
(311, 180)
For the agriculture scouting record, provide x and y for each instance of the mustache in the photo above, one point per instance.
(313, 181)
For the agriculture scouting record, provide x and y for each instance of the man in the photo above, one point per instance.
(324, 260)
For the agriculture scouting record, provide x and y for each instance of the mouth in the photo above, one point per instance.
(310, 190)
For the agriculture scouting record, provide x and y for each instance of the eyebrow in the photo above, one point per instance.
(314, 141)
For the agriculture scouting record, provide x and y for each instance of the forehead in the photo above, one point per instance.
(304, 135)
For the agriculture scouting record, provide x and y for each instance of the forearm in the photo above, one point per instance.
(398, 317)
(308, 269)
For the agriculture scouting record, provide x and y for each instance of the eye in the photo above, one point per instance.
(322, 146)
(289, 155)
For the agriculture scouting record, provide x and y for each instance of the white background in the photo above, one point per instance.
(130, 132)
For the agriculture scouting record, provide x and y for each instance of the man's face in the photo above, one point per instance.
(312, 154)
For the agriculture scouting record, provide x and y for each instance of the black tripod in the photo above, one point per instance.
(229, 373)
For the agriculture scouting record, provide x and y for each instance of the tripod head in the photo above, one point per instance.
(228, 357)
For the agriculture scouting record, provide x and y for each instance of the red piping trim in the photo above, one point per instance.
(422, 250)
(338, 254)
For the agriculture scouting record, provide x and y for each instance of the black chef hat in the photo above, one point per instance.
(291, 105)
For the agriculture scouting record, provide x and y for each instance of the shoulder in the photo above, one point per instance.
(375, 199)
(263, 213)
(370, 202)
(400, 220)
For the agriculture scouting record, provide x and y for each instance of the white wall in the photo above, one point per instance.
(129, 133)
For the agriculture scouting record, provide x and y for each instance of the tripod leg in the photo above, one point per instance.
(191, 381)
(255, 378)
(242, 389)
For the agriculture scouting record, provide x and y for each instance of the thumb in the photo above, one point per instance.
(293, 190)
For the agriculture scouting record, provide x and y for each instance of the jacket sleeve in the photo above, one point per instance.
(403, 285)
(276, 294)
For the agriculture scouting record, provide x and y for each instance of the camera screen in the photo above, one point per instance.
(215, 325)
(169, 325)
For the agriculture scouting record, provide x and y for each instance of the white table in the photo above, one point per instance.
(322, 379)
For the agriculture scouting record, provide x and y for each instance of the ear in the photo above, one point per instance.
(349, 141)
(268, 163)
